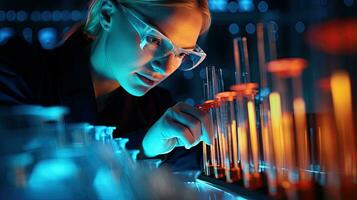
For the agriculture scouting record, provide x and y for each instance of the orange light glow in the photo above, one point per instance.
(277, 121)
(209, 104)
(342, 103)
(324, 84)
(243, 149)
(289, 146)
(235, 147)
(226, 96)
(335, 37)
(302, 139)
(253, 134)
(287, 67)
(205, 161)
(330, 155)
(244, 86)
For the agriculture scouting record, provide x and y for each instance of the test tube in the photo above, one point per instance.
(119, 144)
(104, 134)
(291, 69)
(241, 60)
(212, 155)
(77, 134)
(264, 112)
(343, 111)
(43, 120)
(248, 137)
(228, 130)
(134, 154)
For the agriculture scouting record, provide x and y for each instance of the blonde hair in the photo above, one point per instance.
(93, 28)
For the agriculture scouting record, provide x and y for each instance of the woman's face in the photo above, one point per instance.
(138, 70)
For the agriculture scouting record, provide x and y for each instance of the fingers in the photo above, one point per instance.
(187, 120)
(199, 118)
(181, 132)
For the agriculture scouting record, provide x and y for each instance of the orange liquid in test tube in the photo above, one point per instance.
(342, 104)
(253, 134)
(277, 129)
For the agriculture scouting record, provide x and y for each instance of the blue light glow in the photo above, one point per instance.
(48, 38)
(264, 92)
(263, 6)
(56, 15)
(66, 15)
(23, 159)
(106, 186)
(27, 34)
(190, 101)
(46, 16)
(11, 15)
(217, 5)
(246, 5)
(35, 16)
(348, 3)
(233, 28)
(134, 154)
(2, 15)
(76, 15)
(48, 171)
(300, 26)
(250, 28)
(233, 6)
(188, 74)
(21, 16)
(5, 34)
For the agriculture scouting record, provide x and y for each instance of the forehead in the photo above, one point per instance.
(181, 24)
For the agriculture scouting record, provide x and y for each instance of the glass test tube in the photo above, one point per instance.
(249, 140)
(212, 154)
(264, 112)
(104, 134)
(241, 60)
(77, 134)
(228, 128)
(248, 137)
(291, 69)
(341, 91)
(119, 144)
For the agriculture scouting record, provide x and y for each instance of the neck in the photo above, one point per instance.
(103, 86)
(102, 81)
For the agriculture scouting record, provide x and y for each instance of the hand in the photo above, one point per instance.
(181, 125)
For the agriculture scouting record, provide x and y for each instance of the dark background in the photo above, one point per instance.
(45, 21)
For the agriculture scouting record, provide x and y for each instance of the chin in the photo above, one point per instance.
(137, 91)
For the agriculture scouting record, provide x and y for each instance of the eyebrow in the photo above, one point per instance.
(151, 23)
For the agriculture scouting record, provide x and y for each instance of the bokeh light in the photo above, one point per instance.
(233, 28)
(250, 28)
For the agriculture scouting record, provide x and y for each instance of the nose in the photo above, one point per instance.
(165, 65)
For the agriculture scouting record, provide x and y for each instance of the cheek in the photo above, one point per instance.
(122, 51)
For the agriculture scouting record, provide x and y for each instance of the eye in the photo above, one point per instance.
(181, 55)
(153, 40)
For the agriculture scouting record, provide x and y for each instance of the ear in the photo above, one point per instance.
(107, 10)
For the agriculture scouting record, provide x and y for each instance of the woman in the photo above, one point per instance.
(132, 46)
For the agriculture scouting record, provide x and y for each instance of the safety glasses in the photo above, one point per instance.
(154, 41)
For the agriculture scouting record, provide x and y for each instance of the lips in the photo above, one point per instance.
(145, 80)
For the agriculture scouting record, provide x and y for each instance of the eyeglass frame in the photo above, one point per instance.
(139, 22)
